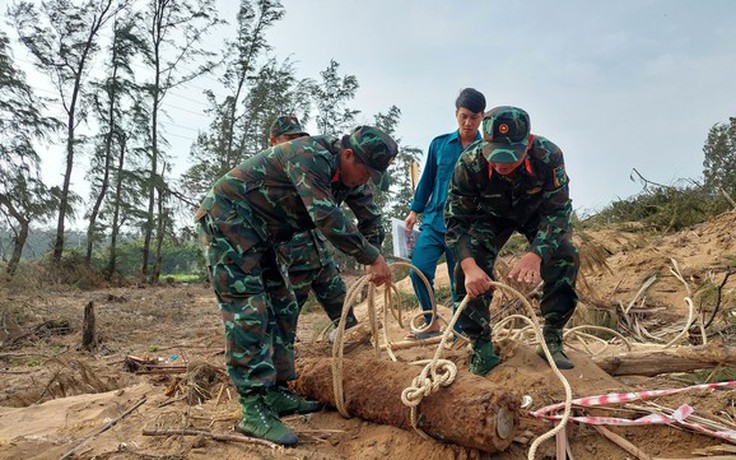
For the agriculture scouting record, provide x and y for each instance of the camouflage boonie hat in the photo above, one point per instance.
(505, 134)
(376, 150)
(287, 125)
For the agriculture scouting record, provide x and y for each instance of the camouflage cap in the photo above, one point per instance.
(505, 134)
(288, 124)
(375, 149)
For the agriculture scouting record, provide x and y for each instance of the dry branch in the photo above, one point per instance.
(215, 436)
(103, 428)
(622, 443)
(681, 359)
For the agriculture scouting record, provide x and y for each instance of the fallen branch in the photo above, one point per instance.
(622, 443)
(719, 297)
(664, 361)
(404, 344)
(3, 371)
(728, 198)
(103, 428)
(164, 370)
(215, 436)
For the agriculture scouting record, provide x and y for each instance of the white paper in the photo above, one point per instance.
(404, 240)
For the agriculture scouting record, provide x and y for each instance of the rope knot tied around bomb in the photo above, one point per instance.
(439, 373)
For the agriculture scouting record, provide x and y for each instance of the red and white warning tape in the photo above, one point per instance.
(679, 416)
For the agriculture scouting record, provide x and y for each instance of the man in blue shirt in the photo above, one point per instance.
(431, 194)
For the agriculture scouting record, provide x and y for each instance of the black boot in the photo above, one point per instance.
(553, 339)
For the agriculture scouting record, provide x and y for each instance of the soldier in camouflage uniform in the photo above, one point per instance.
(311, 265)
(512, 181)
(244, 221)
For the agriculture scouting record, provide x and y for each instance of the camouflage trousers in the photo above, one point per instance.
(256, 301)
(559, 274)
(327, 284)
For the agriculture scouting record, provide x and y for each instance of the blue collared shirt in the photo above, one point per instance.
(431, 193)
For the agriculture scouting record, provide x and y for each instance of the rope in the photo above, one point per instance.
(575, 330)
(438, 372)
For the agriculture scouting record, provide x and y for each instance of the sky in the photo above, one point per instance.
(617, 85)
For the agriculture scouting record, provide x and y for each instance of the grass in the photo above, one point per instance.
(185, 277)
(442, 294)
(725, 374)
(311, 305)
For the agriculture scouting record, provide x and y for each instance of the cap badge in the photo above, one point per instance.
(503, 128)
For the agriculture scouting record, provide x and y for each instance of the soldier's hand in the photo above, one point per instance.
(410, 220)
(477, 281)
(379, 271)
(526, 270)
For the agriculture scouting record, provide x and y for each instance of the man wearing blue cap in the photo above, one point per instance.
(512, 181)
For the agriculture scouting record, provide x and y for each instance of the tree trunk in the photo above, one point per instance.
(108, 156)
(111, 266)
(89, 337)
(71, 127)
(160, 229)
(679, 359)
(471, 412)
(18, 244)
(64, 199)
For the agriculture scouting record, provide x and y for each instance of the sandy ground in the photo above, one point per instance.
(55, 397)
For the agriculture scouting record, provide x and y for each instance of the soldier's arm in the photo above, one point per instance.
(461, 210)
(311, 178)
(556, 208)
(426, 183)
(364, 207)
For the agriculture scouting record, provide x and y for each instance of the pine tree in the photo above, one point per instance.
(719, 165)
(176, 29)
(62, 37)
(23, 196)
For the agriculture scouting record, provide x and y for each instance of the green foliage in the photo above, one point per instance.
(672, 208)
(719, 165)
(257, 94)
(311, 305)
(515, 245)
(332, 95)
(187, 277)
(117, 103)
(62, 38)
(725, 374)
(663, 208)
(24, 199)
(442, 295)
(177, 258)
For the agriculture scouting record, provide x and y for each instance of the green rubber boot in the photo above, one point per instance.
(260, 421)
(282, 400)
(483, 358)
(553, 339)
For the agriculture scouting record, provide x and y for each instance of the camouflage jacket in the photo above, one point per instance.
(308, 250)
(537, 191)
(293, 187)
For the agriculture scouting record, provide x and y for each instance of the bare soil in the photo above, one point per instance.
(54, 396)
